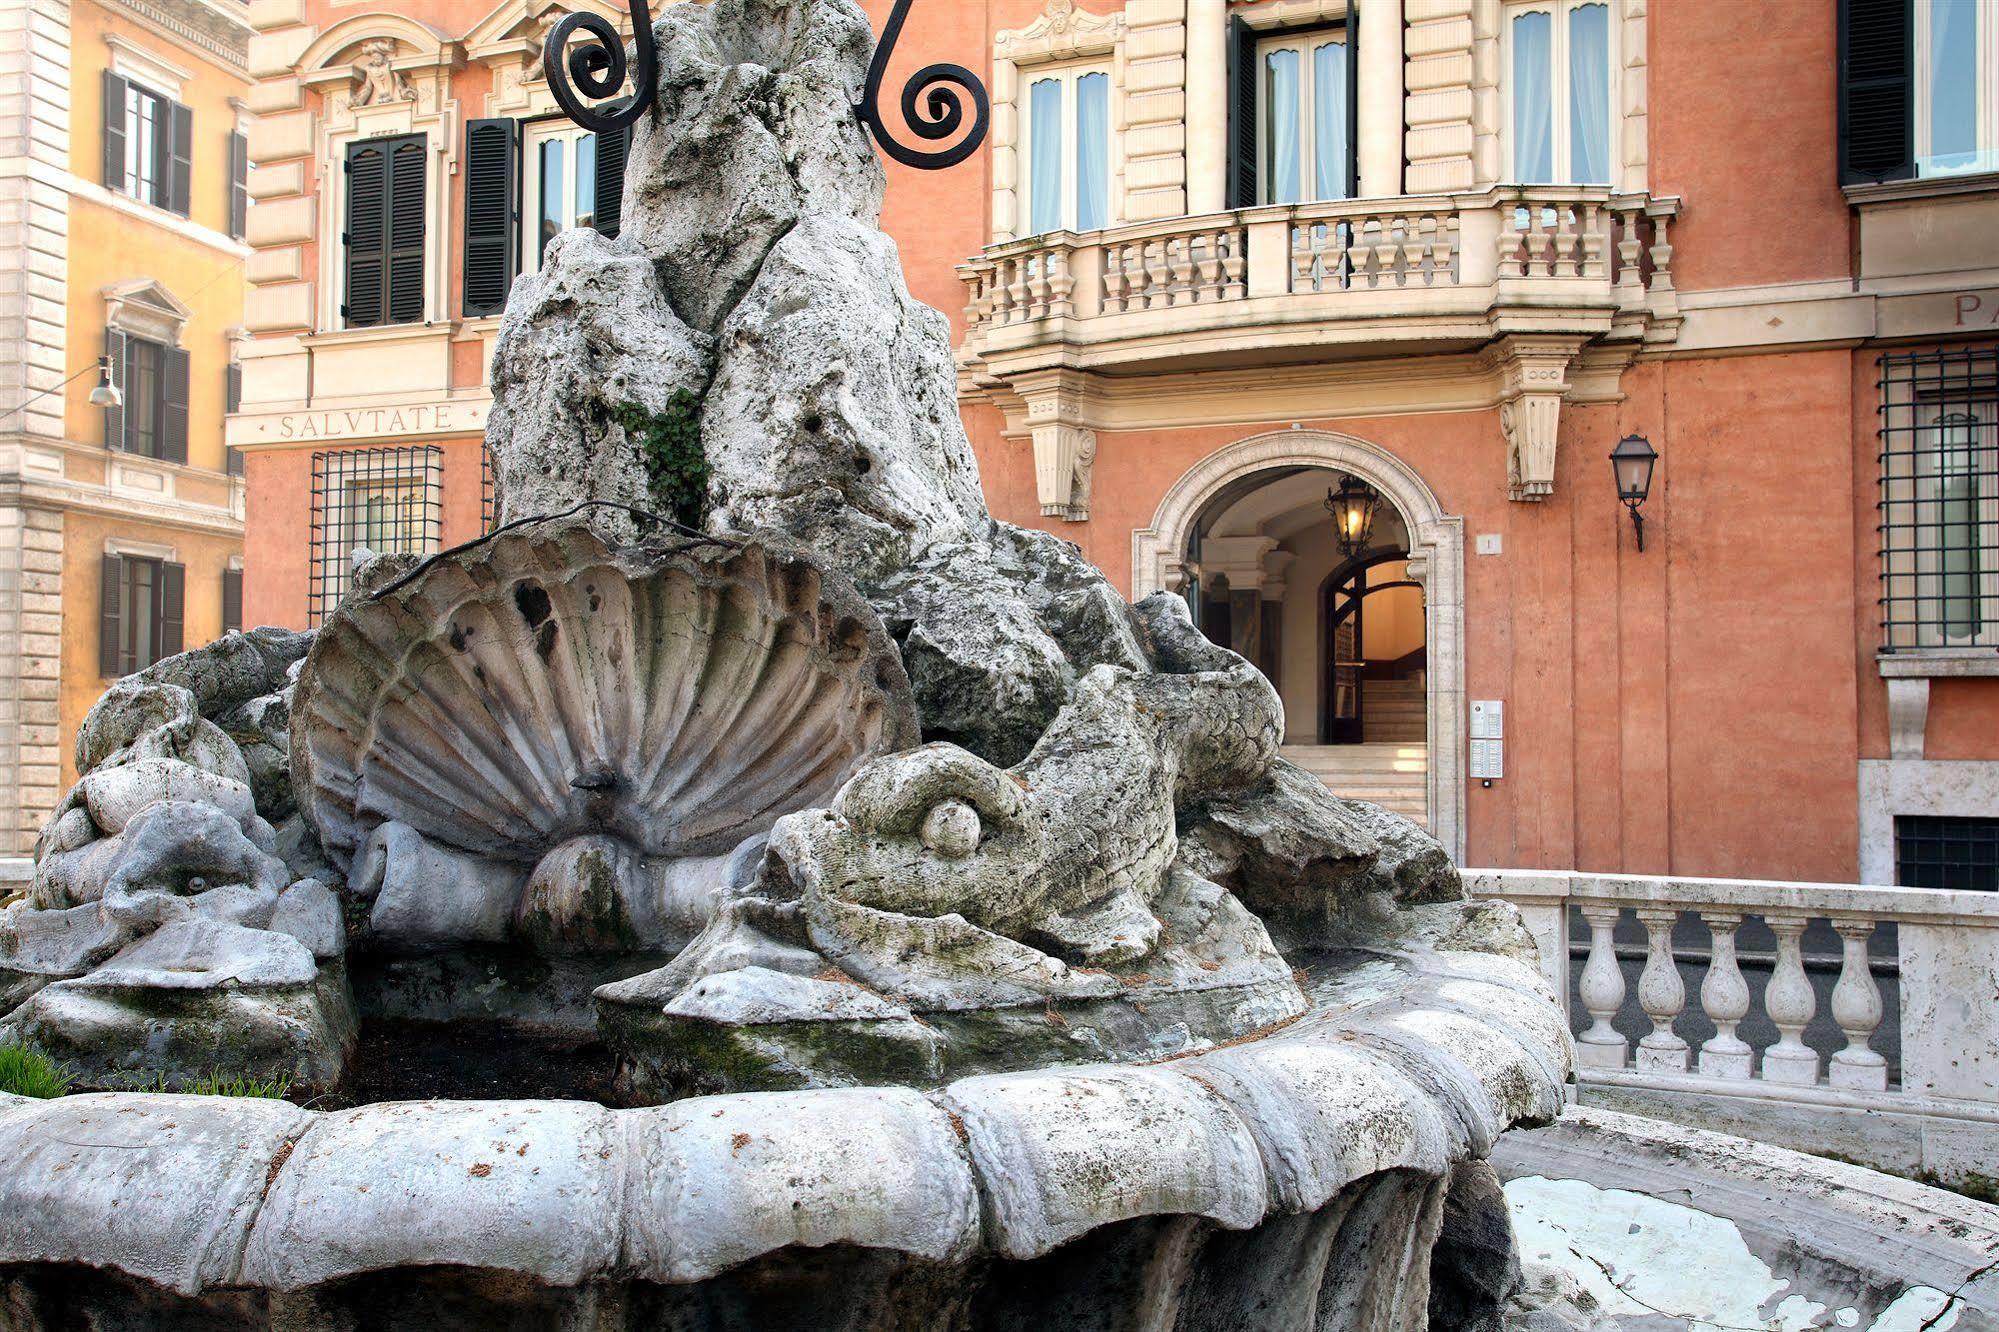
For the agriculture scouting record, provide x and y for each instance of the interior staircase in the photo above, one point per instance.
(1391, 768)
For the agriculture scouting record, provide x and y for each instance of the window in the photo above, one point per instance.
(1919, 89)
(152, 379)
(232, 403)
(239, 185)
(572, 178)
(388, 501)
(1068, 150)
(1304, 109)
(232, 600)
(148, 145)
(140, 613)
(1960, 854)
(387, 184)
(1559, 72)
(1940, 499)
(1957, 87)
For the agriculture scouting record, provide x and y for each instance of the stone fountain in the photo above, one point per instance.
(959, 949)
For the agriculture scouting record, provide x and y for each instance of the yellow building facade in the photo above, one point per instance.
(123, 207)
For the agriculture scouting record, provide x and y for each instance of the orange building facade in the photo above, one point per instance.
(1227, 268)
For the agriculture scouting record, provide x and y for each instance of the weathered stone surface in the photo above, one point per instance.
(309, 912)
(589, 334)
(232, 670)
(161, 1187)
(725, 1179)
(117, 795)
(1062, 1153)
(206, 955)
(527, 1187)
(1475, 1271)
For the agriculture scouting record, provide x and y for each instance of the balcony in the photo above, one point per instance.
(1376, 276)
(1525, 278)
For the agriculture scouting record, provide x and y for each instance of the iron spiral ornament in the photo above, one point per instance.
(934, 101)
(599, 68)
(933, 104)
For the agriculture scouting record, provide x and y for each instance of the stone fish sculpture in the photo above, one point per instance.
(939, 907)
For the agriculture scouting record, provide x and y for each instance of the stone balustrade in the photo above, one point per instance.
(1547, 247)
(1902, 1026)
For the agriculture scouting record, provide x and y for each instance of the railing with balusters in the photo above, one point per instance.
(1909, 1023)
(1547, 245)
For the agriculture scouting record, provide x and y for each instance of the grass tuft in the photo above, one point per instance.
(26, 1072)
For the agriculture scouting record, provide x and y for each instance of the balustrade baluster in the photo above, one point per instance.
(1662, 255)
(1446, 255)
(1602, 988)
(1512, 248)
(1037, 287)
(1662, 994)
(1157, 271)
(1856, 1007)
(1209, 287)
(1304, 260)
(1235, 267)
(1567, 244)
(1061, 285)
(1017, 289)
(1595, 242)
(1180, 255)
(1790, 1002)
(1539, 243)
(1387, 246)
(1630, 259)
(1725, 1000)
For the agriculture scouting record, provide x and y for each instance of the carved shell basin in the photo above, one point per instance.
(541, 686)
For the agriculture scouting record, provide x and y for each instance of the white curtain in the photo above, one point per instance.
(1953, 90)
(1533, 100)
(1044, 186)
(1093, 152)
(1281, 114)
(1329, 120)
(1589, 95)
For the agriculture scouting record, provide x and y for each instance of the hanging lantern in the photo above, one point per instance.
(1353, 506)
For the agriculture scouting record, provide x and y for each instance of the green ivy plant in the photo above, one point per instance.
(669, 445)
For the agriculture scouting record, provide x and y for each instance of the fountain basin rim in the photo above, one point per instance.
(194, 1194)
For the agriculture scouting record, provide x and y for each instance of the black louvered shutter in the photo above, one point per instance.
(114, 416)
(406, 232)
(114, 131)
(1876, 91)
(613, 147)
(232, 600)
(1353, 99)
(1242, 115)
(180, 158)
(172, 610)
(367, 233)
(492, 213)
(173, 404)
(110, 623)
(239, 185)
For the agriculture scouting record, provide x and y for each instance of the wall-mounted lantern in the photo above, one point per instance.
(1353, 506)
(1632, 461)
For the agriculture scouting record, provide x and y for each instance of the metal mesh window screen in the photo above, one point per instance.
(1940, 499)
(390, 501)
(1961, 854)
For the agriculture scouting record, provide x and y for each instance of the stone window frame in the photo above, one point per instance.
(1491, 93)
(1063, 35)
(1436, 560)
(327, 68)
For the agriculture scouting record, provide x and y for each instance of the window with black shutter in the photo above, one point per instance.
(613, 147)
(386, 231)
(152, 378)
(148, 145)
(232, 402)
(1877, 90)
(1244, 137)
(492, 214)
(570, 177)
(232, 601)
(141, 614)
(239, 185)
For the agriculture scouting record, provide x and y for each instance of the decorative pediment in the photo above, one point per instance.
(1061, 32)
(338, 50)
(144, 308)
(516, 29)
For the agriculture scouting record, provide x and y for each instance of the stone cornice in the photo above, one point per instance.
(206, 28)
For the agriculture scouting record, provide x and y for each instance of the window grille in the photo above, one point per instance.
(489, 505)
(1939, 506)
(1960, 854)
(390, 501)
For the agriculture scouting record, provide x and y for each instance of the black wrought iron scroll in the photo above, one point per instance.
(600, 66)
(933, 101)
(942, 89)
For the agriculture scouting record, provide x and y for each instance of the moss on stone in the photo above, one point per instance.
(669, 446)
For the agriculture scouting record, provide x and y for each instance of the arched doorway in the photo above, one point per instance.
(1246, 536)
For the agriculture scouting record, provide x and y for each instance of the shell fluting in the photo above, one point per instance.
(544, 686)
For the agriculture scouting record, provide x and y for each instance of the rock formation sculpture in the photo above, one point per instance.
(991, 885)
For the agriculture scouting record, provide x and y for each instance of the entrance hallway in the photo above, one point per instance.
(1394, 776)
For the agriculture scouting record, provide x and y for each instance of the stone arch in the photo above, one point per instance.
(1436, 560)
(328, 49)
